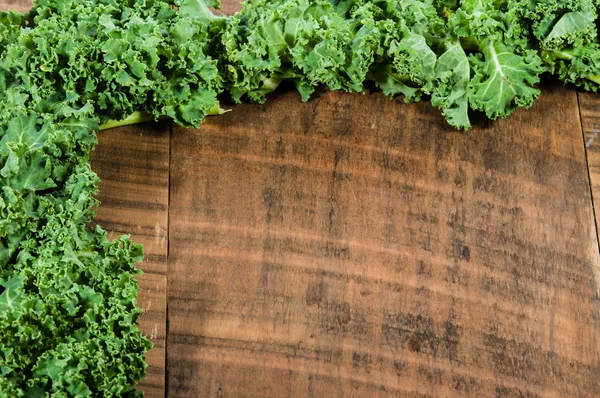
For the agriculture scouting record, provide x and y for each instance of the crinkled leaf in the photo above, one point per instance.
(503, 80)
(451, 85)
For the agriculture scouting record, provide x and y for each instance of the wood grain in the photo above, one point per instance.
(230, 6)
(17, 5)
(590, 119)
(354, 246)
(133, 165)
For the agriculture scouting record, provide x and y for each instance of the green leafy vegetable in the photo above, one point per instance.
(146, 57)
(565, 35)
(68, 315)
(303, 41)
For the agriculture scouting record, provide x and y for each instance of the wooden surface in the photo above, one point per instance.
(590, 118)
(17, 5)
(354, 246)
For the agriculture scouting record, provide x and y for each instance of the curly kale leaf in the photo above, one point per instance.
(404, 60)
(198, 9)
(504, 70)
(11, 23)
(405, 66)
(306, 42)
(68, 315)
(503, 79)
(37, 158)
(566, 35)
(144, 57)
(450, 87)
(554, 24)
(579, 65)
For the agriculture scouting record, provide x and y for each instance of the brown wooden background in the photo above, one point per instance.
(355, 246)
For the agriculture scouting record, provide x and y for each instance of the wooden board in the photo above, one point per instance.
(353, 246)
(17, 5)
(230, 6)
(590, 119)
(133, 165)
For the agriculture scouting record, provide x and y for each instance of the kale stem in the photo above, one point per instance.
(594, 78)
(216, 110)
(562, 55)
(567, 56)
(143, 117)
(271, 83)
(134, 118)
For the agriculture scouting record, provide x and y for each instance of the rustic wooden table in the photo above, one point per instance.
(355, 246)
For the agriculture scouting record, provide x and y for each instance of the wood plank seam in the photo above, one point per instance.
(166, 374)
(587, 143)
